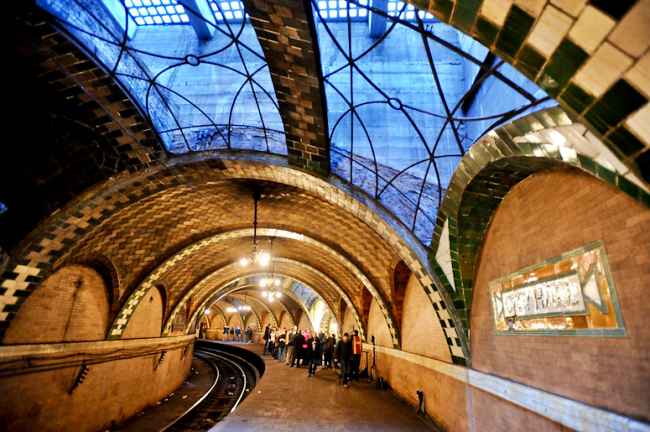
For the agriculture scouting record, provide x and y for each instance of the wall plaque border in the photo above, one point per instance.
(569, 295)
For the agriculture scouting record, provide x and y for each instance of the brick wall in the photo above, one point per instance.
(421, 332)
(71, 305)
(347, 323)
(147, 319)
(445, 397)
(490, 413)
(112, 391)
(377, 326)
(544, 216)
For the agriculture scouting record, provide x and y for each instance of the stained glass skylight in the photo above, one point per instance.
(155, 12)
(406, 99)
(203, 82)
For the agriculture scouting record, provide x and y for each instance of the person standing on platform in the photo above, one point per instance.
(314, 354)
(249, 335)
(290, 347)
(282, 344)
(238, 334)
(328, 352)
(267, 337)
(344, 357)
(298, 342)
(356, 355)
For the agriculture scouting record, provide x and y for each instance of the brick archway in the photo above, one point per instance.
(485, 175)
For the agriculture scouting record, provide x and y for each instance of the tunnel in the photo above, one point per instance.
(317, 215)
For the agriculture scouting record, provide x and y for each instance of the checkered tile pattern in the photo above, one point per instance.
(132, 222)
(591, 56)
(204, 287)
(491, 168)
(283, 28)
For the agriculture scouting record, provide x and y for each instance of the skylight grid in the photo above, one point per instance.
(156, 12)
(408, 13)
(231, 11)
(333, 10)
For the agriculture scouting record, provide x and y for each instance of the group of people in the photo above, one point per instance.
(235, 334)
(302, 348)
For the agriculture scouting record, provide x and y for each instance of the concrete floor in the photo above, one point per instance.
(285, 399)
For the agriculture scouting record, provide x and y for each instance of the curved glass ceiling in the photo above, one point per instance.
(406, 97)
(198, 73)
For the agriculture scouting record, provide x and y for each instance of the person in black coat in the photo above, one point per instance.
(298, 342)
(313, 355)
(267, 338)
(344, 357)
(328, 351)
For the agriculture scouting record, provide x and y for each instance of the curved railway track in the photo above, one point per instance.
(235, 377)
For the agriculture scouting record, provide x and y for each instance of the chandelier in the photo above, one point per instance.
(240, 308)
(271, 286)
(257, 256)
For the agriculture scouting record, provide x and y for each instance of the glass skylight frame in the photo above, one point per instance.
(106, 41)
(407, 205)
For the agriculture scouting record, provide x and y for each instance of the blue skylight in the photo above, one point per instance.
(406, 11)
(228, 10)
(340, 9)
(397, 113)
(156, 12)
(199, 94)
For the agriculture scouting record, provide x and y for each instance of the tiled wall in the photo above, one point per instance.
(544, 216)
(591, 56)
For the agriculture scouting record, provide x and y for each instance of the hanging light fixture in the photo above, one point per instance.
(257, 256)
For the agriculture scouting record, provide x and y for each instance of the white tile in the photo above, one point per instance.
(603, 69)
(496, 10)
(591, 28)
(632, 34)
(572, 7)
(639, 75)
(639, 123)
(549, 31)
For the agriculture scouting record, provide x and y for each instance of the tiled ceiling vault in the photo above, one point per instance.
(146, 209)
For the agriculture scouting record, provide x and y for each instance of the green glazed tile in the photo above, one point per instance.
(485, 31)
(443, 9)
(614, 8)
(620, 100)
(624, 141)
(576, 98)
(514, 31)
(465, 14)
(566, 60)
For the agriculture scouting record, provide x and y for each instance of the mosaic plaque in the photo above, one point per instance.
(572, 294)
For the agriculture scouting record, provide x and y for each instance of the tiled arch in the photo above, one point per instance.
(134, 299)
(205, 288)
(489, 170)
(49, 246)
(258, 302)
(592, 57)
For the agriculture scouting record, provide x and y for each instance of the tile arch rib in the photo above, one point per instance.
(221, 312)
(217, 166)
(138, 294)
(258, 302)
(231, 286)
(542, 40)
(512, 152)
(226, 302)
(292, 296)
